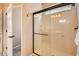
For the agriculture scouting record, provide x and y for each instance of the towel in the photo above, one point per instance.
(77, 42)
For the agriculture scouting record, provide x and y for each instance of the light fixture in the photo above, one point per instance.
(57, 15)
(62, 21)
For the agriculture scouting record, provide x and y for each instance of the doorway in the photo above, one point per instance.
(13, 30)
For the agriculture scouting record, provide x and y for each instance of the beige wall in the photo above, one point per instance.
(0, 29)
(28, 9)
(46, 5)
(2, 6)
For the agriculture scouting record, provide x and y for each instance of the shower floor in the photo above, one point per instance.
(33, 54)
(17, 51)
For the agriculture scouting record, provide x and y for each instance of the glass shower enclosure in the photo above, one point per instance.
(54, 30)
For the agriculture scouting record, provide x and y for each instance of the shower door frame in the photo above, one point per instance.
(47, 9)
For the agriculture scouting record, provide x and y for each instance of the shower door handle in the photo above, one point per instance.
(76, 28)
(11, 36)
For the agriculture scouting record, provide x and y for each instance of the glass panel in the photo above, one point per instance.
(41, 44)
(54, 32)
(37, 20)
(41, 24)
(17, 31)
(61, 9)
(41, 41)
(62, 33)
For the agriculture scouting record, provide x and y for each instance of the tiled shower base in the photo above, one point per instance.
(33, 54)
(17, 51)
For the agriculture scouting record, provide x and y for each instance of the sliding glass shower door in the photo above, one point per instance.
(54, 31)
(42, 29)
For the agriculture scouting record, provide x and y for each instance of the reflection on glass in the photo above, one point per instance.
(37, 20)
(62, 21)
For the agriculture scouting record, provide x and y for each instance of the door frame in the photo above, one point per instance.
(5, 30)
(46, 9)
